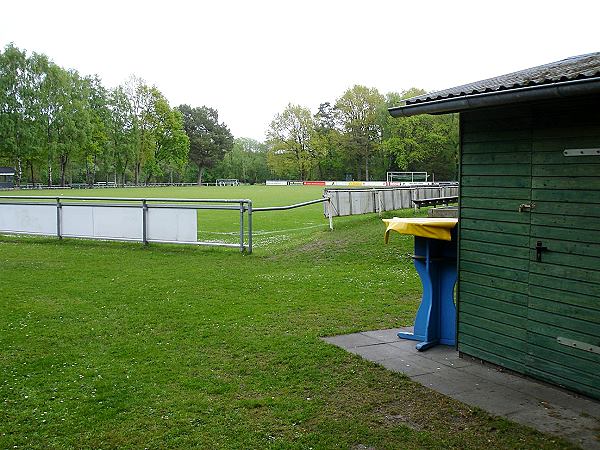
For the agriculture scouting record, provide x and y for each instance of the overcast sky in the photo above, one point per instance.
(249, 59)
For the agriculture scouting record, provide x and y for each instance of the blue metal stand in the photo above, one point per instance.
(435, 323)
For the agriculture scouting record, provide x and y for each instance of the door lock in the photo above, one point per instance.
(526, 207)
(539, 248)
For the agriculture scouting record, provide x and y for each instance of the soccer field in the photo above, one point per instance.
(271, 228)
(120, 345)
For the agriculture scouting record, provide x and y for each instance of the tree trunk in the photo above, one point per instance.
(137, 172)
(87, 172)
(366, 168)
(94, 170)
(32, 173)
(49, 172)
(63, 169)
(200, 173)
(19, 172)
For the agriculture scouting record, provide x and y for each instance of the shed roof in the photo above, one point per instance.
(7, 170)
(582, 72)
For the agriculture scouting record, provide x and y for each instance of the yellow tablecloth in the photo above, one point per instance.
(425, 227)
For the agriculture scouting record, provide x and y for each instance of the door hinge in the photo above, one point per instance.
(526, 207)
(578, 344)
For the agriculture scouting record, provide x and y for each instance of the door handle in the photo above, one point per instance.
(539, 248)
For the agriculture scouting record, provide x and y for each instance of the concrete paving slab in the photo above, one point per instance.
(411, 366)
(497, 399)
(348, 341)
(406, 344)
(449, 384)
(387, 336)
(445, 355)
(541, 406)
(489, 372)
(555, 396)
(552, 418)
(375, 352)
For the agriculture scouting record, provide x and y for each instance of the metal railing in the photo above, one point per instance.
(325, 199)
(144, 204)
(39, 224)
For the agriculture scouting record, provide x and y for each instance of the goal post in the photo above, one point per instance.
(397, 178)
(227, 182)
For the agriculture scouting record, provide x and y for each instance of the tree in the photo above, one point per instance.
(120, 135)
(17, 108)
(141, 99)
(246, 161)
(97, 142)
(421, 143)
(73, 123)
(290, 142)
(359, 110)
(326, 142)
(209, 139)
(171, 144)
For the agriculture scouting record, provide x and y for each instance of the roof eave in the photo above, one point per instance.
(499, 98)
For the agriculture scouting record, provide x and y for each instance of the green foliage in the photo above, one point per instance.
(208, 138)
(55, 118)
(246, 162)
(421, 143)
(289, 138)
(59, 126)
(358, 137)
(359, 113)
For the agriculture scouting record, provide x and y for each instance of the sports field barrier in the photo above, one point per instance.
(348, 202)
(146, 220)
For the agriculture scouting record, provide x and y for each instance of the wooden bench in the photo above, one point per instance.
(434, 201)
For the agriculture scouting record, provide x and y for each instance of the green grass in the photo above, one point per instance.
(116, 345)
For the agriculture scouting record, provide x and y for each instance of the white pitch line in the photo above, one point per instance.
(261, 233)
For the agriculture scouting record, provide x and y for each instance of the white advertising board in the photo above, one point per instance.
(30, 219)
(111, 222)
(172, 225)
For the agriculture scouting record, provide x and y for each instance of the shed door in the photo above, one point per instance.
(563, 318)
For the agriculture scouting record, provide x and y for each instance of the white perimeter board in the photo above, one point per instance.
(30, 219)
(111, 222)
(173, 225)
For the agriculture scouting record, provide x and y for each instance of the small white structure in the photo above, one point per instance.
(227, 182)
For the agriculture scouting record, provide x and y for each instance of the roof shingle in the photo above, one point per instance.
(573, 68)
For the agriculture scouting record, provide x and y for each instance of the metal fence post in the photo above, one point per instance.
(58, 218)
(330, 212)
(242, 226)
(249, 226)
(144, 222)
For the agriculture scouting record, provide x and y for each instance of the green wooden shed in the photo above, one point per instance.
(528, 295)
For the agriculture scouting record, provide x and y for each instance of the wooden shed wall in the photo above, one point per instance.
(513, 310)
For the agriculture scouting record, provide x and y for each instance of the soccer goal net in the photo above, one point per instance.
(396, 178)
(227, 182)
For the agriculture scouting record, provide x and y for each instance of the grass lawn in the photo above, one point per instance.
(116, 345)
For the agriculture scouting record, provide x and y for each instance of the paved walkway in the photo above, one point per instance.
(537, 405)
